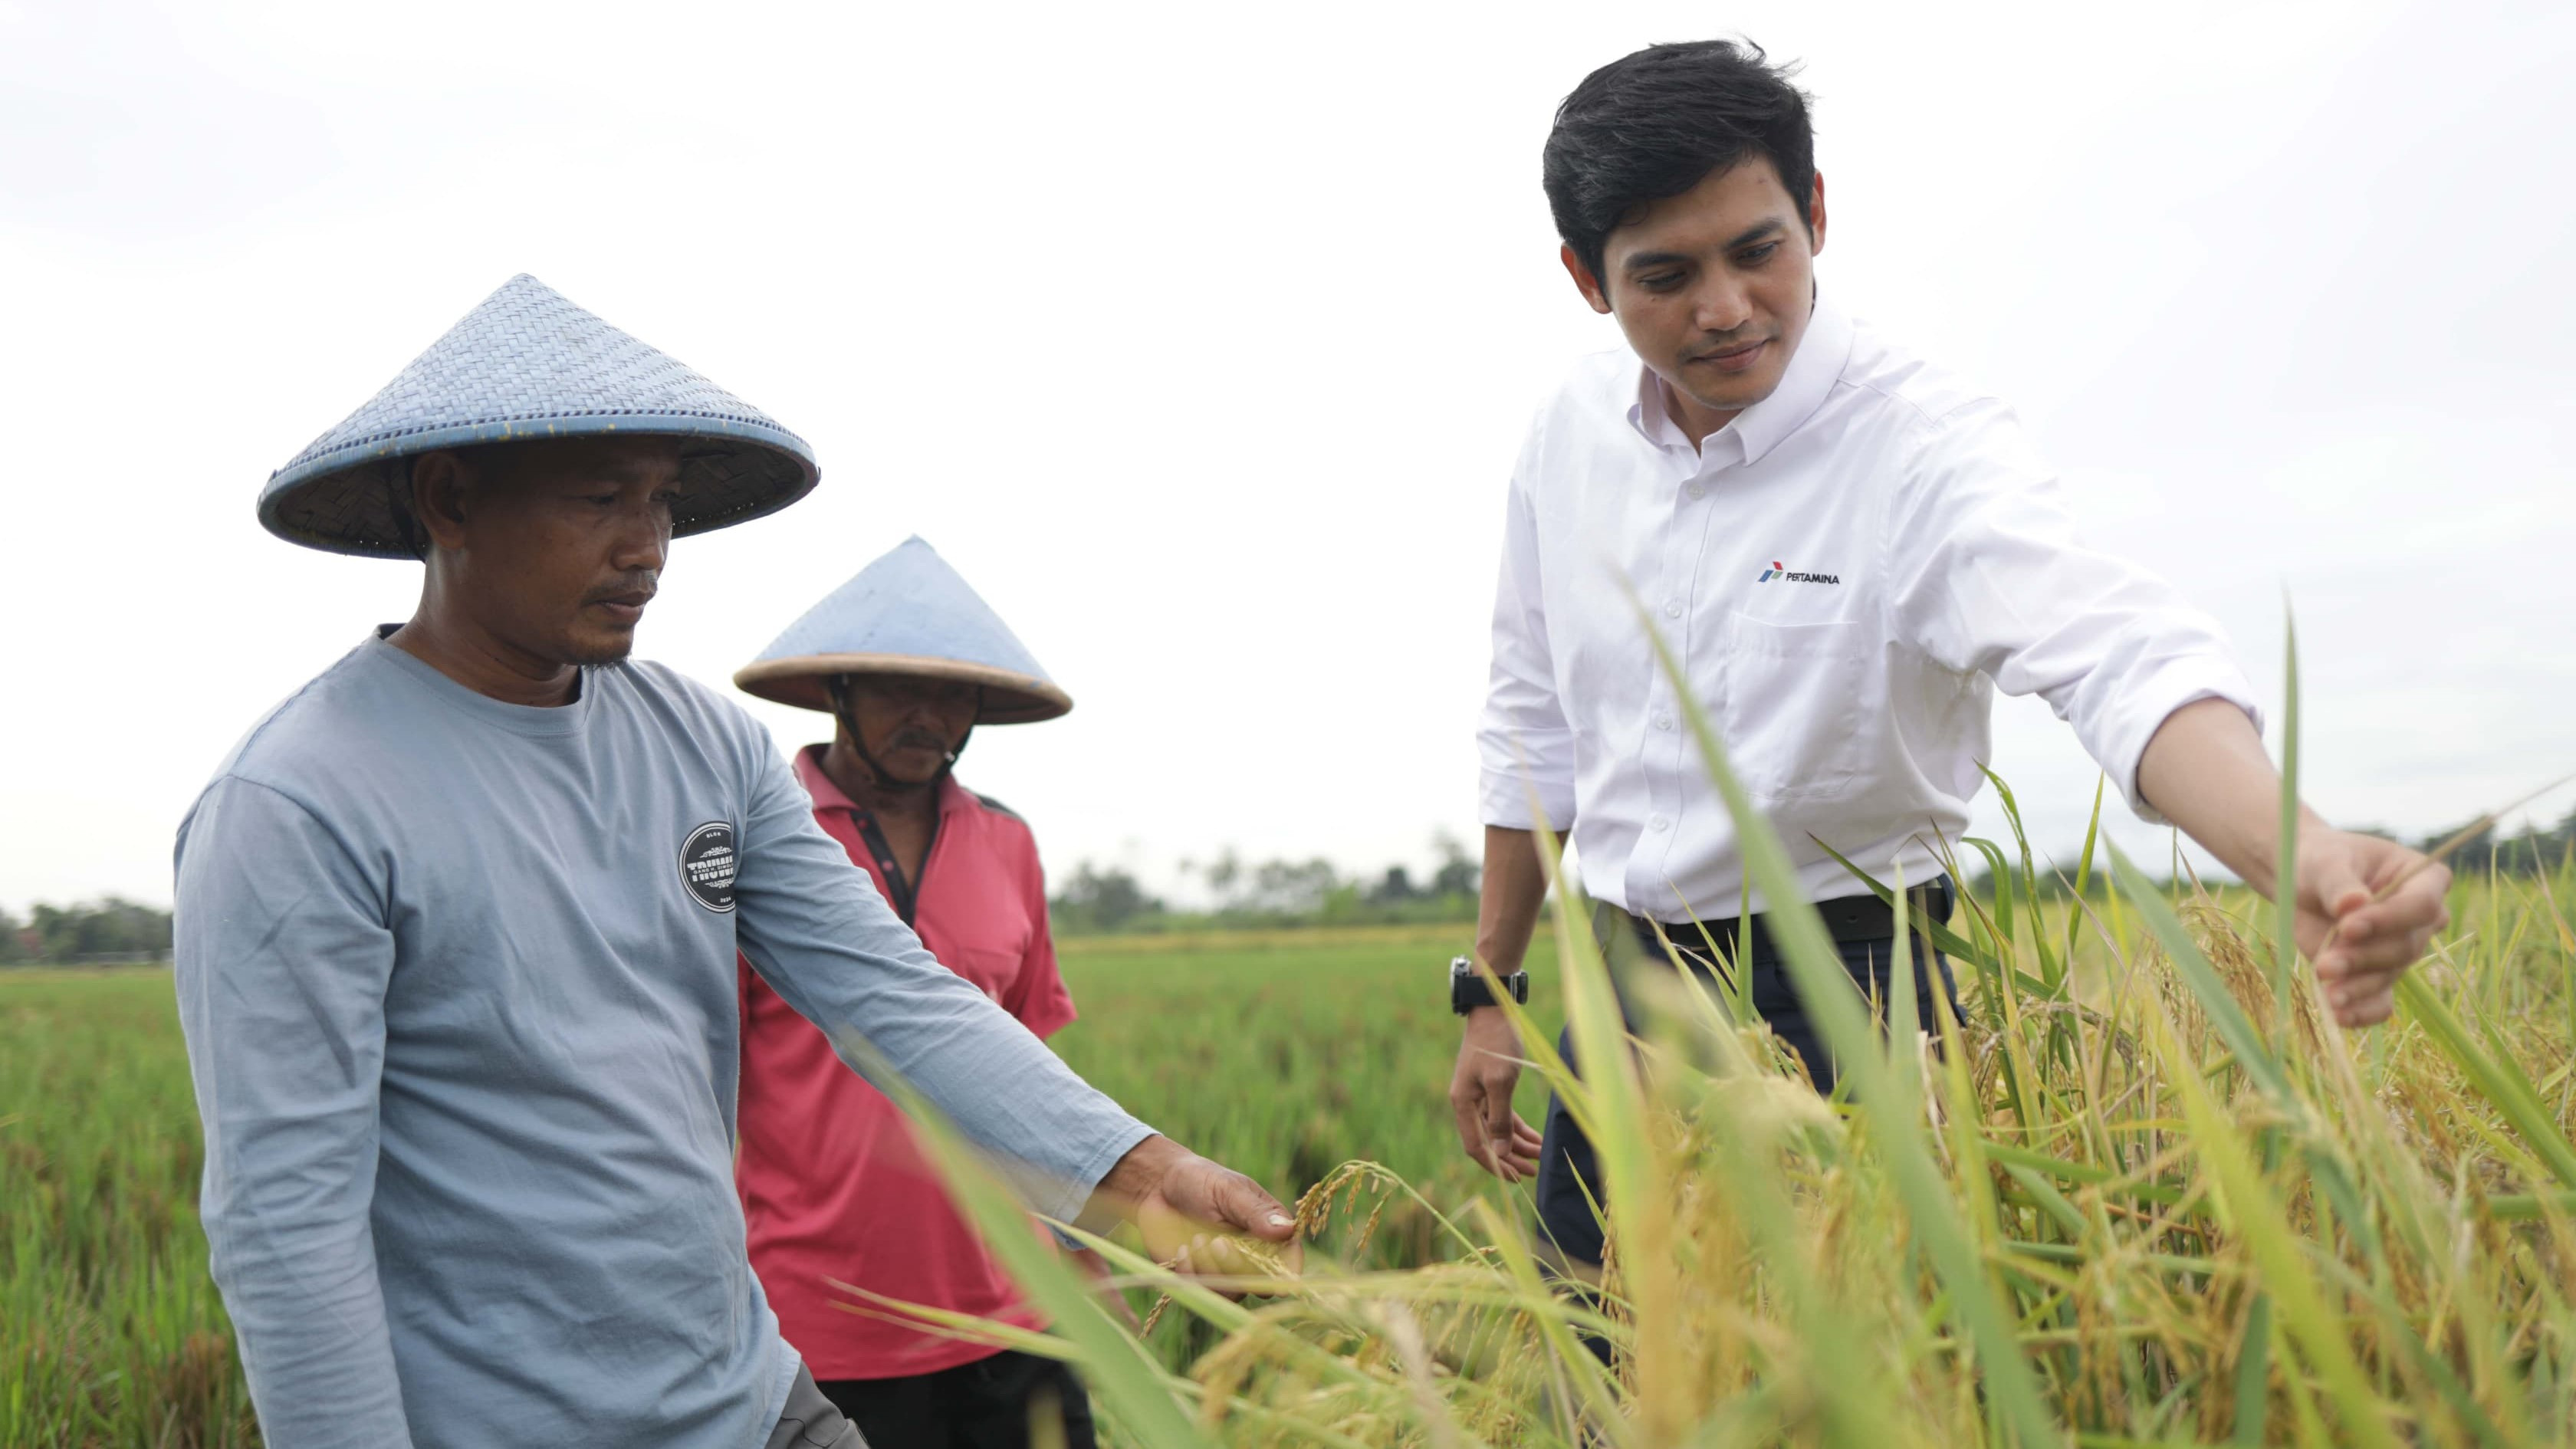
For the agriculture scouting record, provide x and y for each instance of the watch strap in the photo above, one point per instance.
(1469, 990)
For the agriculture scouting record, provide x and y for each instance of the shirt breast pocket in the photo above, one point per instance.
(992, 971)
(1796, 696)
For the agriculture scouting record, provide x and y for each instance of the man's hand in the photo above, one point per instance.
(2359, 947)
(2205, 769)
(1192, 1212)
(1489, 1066)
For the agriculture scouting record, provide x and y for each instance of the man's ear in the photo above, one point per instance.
(1816, 216)
(440, 482)
(1584, 281)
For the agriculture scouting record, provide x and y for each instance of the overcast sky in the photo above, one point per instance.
(1201, 338)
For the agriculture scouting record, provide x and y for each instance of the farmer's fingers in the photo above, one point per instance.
(1223, 1255)
(1243, 1204)
(1201, 1193)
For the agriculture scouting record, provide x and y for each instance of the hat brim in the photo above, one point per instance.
(1009, 697)
(343, 501)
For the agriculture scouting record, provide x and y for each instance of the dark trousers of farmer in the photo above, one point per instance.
(810, 1421)
(1864, 931)
(981, 1405)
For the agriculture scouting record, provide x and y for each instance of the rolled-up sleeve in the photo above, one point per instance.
(282, 958)
(817, 930)
(1524, 747)
(1989, 575)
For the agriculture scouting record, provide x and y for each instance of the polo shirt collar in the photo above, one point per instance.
(829, 796)
(1812, 371)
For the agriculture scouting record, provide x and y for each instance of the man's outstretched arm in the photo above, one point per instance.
(818, 931)
(2205, 770)
(1991, 576)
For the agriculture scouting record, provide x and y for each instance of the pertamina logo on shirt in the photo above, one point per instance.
(1779, 570)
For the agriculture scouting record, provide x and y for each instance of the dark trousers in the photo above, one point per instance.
(810, 1421)
(981, 1405)
(1569, 1178)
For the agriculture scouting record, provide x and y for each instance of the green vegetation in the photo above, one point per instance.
(2144, 1192)
(2135, 1202)
(1270, 896)
(1286, 1054)
(2191, 1218)
(111, 1334)
(113, 929)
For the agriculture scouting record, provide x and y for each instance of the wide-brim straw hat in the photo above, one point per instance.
(524, 365)
(906, 613)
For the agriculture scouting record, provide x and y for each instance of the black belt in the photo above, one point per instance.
(1847, 918)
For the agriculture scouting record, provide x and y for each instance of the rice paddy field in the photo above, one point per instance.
(2139, 1191)
(1284, 1054)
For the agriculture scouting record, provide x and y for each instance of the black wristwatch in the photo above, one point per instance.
(1467, 990)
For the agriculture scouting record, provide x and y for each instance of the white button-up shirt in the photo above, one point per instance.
(1847, 571)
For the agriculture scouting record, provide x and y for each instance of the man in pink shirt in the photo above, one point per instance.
(907, 660)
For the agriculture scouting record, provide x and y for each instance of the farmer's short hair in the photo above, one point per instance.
(1655, 123)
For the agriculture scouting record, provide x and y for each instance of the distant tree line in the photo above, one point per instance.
(2530, 851)
(1270, 894)
(112, 929)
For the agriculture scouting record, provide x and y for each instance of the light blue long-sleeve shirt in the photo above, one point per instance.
(458, 984)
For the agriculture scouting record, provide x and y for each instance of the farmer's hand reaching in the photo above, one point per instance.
(1192, 1211)
(2361, 946)
(1489, 1067)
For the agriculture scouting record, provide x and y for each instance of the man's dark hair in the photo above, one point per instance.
(1656, 123)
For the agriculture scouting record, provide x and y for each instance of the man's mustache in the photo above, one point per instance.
(918, 740)
(644, 582)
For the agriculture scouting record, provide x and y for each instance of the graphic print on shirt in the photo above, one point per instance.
(1779, 570)
(707, 865)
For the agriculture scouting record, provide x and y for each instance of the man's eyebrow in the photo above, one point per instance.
(1767, 227)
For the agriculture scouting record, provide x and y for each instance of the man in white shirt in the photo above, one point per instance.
(1849, 550)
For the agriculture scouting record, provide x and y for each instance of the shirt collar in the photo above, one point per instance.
(829, 796)
(1810, 375)
(817, 783)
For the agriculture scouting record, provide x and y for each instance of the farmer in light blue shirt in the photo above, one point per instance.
(456, 936)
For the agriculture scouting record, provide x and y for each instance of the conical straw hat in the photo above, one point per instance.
(907, 613)
(528, 364)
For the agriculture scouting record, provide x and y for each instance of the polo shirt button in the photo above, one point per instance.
(1672, 608)
(1697, 490)
(1657, 822)
(1663, 721)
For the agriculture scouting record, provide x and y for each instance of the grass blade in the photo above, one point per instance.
(1130, 1386)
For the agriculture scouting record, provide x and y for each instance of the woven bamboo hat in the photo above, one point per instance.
(907, 613)
(528, 364)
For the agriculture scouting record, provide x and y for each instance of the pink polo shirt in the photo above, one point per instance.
(832, 1183)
